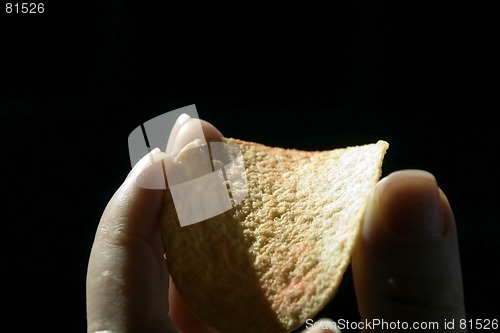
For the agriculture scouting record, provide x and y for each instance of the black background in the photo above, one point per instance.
(77, 79)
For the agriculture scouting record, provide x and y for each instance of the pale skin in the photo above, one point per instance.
(406, 263)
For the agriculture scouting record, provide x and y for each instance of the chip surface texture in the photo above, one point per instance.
(274, 260)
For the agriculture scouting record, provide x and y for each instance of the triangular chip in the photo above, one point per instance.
(276, 259)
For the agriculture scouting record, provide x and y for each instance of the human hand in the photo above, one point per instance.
(128, 285)
(406, 264)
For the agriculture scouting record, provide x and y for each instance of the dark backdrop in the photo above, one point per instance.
(77, 79)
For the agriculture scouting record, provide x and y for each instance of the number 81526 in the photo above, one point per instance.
(24, 8)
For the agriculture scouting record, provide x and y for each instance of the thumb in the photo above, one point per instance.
(406, 265)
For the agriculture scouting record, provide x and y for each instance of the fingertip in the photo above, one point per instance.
(211, 132)
(151, 175)
(187, 130)
(408, 203)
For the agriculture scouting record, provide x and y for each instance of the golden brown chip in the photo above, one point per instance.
(276, 259)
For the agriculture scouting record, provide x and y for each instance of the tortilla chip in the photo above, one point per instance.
(276, 259)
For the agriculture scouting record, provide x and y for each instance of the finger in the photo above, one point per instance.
(406, 264)
(186, 131)
(127, 280)
(181, 120)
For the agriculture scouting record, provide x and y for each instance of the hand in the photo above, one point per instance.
(128, 287)
(406, 264)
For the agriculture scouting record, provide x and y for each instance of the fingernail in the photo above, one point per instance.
(408, 203)
(187, 132)
(181, 120)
